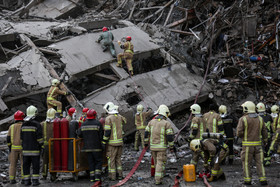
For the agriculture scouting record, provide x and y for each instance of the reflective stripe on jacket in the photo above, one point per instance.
(14, 134)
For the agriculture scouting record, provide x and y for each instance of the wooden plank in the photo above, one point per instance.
(121, 73)
(110, 77)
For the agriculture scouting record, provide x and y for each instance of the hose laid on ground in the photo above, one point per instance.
(206, 181)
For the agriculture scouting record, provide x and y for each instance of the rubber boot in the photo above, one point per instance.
(35, 182)
(92, 178)
(212, 178)
(119, 65)
(222, 177)
(27, 182)
(247, 183)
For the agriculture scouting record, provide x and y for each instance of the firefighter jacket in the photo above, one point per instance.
(107, 37)
(198, 127)
(13, 137)
(267, 120)
(275, 121)
(140, 119)
(92, 133)
(213, 122)
(252, 130)
(160, 133)
(128, 47)
(54, 92)
(47, 128)
(229, 124)
(31, 137)
(213, 146)
(114, 130)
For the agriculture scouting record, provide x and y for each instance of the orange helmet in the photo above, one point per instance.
(104, 29)
(71, 111)
(85, 110)
(91, 114)
(128, 38)
(19, 115)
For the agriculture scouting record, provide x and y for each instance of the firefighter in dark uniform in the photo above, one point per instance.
(92, 133)
(106, 39)
(32, 141)
(127, 54)
(229, 124)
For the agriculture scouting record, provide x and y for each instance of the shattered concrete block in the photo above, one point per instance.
(229, 94)
(218, 93)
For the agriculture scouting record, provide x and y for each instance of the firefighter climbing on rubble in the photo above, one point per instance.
(267, 120)
(14, 144)
(53, 94)
(159, 134)
(215, 151)
(197, 128)
(275, 116)
(106, 39)
(127, 55)
(83, 116)
(113, 137)
(213, 120)
(32, 141)
(47, 127)
(253, 132)
(229, 123)
(71, 111)
(92, 133)
(140, 123)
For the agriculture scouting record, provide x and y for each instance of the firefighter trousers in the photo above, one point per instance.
(230, 146)
(249, 153)
(95, 165)
(195, 158)
(45, 161)
(128, 59)
(160, 159)
(53, 103)
(14, 156)
(111, 46)
(139, 133)
(114, 154)
(27, 161)
(217, 171)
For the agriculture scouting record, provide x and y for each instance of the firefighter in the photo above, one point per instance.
(252, 130)
(113, 137)
(47, 127)
(213, 150)
(71, 111)
(14, 144)
(92, 133)
(197, 128)
(158, 133)
(127, 54)
(267, 119)
(213, 120)
(275, 141)
(229, 123)
(83, 117)
(52, 96)
(140, 123)
(32, 141)
(275, 115)
(106, 39)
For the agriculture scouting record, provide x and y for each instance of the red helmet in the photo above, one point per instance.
(19, 115)
(91, 114)
(85, 110)
(104, 29)
(71, 111)
(128, 38)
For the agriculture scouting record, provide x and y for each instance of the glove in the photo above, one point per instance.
(67, 93)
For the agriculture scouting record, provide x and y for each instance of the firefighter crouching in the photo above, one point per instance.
(47, 127)
(252, 130)
(14, 144)
(32, 141)
(92, 133)
(158, 133)
(127, 54)
(114, 138)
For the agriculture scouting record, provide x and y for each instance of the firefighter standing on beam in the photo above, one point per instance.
(127, 54)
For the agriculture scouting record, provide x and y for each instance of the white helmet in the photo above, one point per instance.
(195, 108)
(110, 108)
(195, 145)
(31, 112)
(163, 110)
(50, 114)
(260, 107)
(249, 107)
(55, 82)
(140, 108)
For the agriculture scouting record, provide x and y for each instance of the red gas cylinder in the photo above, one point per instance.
(64, 129)
(56, 145)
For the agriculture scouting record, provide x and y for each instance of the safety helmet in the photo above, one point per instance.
(163, 110)
(71, 111)
(91, 114)
(55, 82)
(104, 29)
(85, 110)
(274, 109)
(19, 115)
(249, 107)
(195, 108)
(140, 108)
(31, 112)
(260, 107)
(50, 114)
(195, 145)
(128, 38)
(222, 109)
(110, 108)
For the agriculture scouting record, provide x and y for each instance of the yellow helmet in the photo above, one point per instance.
(50, 114)
(260, 107)
(140, 108)
(223, 109)
(274, 109)
(195, 108)
(163, 110)
(110, 108)
(55, 82)
(31, 112)
(249, 107)
(195, 145)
